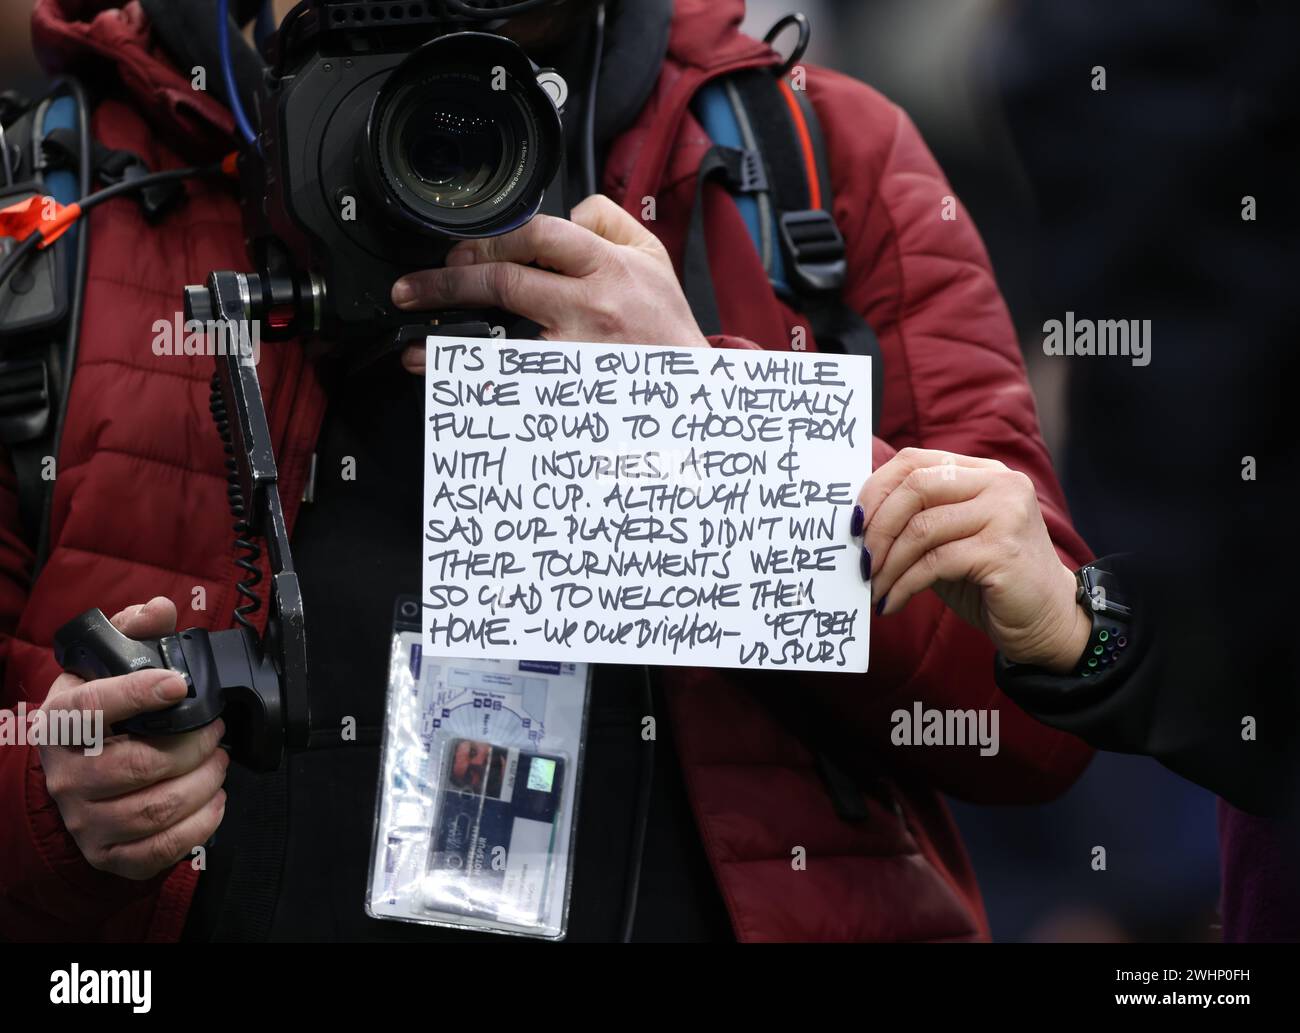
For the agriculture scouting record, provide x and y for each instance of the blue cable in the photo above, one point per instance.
(228, 72)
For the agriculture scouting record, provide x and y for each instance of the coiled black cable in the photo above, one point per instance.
(250, 551)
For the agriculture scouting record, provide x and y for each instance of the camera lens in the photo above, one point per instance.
(453, 152)
(465, 148)
(450, 148)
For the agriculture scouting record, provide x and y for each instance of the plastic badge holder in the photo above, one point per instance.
(474, 826)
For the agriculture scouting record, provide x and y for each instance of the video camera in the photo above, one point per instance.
(389, 132)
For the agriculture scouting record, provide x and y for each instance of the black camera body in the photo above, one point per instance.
(383, 142)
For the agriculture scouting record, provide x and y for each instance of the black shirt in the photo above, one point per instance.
(357, 547)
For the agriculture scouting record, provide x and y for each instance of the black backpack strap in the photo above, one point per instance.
(237, 896)
(38, 350)
(790, 165)
(37, 356)
(741, 172)
(61, 148)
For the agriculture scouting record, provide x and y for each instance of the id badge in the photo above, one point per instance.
(494, 832)
(474, 824)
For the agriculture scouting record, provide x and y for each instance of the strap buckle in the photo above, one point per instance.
(752, 177)
(743, 170)
(24, 399)
(814, 250)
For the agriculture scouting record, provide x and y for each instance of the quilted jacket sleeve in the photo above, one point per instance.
(47, 889)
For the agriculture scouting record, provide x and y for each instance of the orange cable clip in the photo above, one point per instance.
(37, 214)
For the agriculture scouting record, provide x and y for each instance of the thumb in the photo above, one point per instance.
(148, 620)
(414, 358)
(125, 695)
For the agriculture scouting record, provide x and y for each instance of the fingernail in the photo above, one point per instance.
(864, 562)
(170, 688)
(403, 293)
(880, 606)
(856, 521)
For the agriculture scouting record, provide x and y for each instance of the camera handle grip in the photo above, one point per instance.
(90, 647)
(223, 670)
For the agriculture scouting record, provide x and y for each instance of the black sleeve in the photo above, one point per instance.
(1206, 727)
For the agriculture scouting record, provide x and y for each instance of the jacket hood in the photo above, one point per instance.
(706, 34)
(100, 39)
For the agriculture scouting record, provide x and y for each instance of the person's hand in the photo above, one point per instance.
(141, 805)
(604, 277)
(971, 530)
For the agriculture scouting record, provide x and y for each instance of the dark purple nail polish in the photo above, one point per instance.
(856, 521)
(865, 562)
(880, 606)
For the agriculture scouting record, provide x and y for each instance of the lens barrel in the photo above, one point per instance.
(461, 141)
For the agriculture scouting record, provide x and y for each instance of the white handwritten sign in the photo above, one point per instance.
(636, 504)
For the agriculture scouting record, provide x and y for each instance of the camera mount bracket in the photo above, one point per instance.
(258, 683)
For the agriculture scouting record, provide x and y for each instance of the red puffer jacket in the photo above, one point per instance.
(140, 507)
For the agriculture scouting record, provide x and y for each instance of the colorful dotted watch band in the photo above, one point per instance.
(1105, 645)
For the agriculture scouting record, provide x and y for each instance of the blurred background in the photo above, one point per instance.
(949, 64)
(1122, 204)
(18, 68)
(1125, 203)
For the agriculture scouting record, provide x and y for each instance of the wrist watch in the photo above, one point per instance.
(1101, 595)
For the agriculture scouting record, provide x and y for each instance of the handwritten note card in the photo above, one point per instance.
(634, 504)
